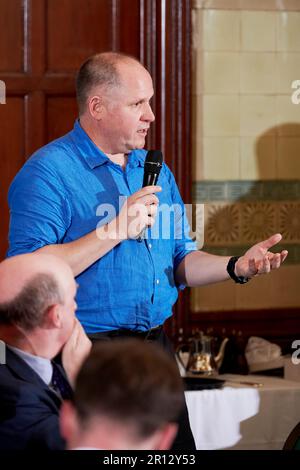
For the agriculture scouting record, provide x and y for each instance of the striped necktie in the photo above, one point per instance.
(60, 383)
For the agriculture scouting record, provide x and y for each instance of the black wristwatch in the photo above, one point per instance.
(230, 270)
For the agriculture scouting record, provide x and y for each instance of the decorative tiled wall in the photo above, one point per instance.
(239, 213)
(246, 139)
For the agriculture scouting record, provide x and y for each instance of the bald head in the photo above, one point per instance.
(101, 70)
(18, 271)
(29, 284)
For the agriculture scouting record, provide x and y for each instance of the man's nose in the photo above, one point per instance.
(148, 114)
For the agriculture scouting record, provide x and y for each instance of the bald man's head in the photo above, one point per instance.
(29, 285)
(100, 70)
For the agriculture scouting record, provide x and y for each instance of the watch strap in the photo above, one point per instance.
(230, 270)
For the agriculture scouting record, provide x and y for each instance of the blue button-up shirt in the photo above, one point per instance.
(67, 189)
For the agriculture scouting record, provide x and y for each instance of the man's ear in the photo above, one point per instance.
(68, 422)
(96, 107)
(165, 436)
(53, 316)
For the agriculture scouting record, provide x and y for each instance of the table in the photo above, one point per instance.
(244, 417)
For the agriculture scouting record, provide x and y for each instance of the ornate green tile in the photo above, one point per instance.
(240, 213)
(232, 191)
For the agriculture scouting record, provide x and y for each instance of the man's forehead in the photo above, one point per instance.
(133, 71)
(137, 87)
(135, 83)
(130, 65)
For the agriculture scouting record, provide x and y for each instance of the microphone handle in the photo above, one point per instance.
(141, 236)
(150, 179)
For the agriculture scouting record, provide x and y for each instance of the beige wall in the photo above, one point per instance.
(246, 129)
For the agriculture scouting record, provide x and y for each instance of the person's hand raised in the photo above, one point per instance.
(75, 351)
(258, 260)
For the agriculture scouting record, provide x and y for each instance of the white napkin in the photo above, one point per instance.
(215, 415)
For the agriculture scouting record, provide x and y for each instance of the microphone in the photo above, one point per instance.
(153, 164)
(152, 167)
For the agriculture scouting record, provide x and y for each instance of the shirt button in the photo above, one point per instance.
(157, 281)
(150, 246)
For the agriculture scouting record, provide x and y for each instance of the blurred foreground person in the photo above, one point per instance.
(134, 404)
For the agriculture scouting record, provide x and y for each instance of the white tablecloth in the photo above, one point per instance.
(242, 417)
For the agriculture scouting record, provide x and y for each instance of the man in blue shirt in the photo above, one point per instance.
(66, 199)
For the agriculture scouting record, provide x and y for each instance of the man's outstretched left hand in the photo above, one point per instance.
(259, 260)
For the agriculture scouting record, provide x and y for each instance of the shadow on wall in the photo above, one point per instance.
(240, 213)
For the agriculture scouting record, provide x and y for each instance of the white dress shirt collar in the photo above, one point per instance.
(40, 365)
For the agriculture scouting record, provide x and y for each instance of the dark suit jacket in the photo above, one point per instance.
(29, 409)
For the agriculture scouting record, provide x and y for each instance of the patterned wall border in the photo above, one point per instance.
(239, 213)
(246, 191)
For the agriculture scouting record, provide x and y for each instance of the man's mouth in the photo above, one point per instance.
(143, 131)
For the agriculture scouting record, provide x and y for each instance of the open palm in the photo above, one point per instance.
(259, 260)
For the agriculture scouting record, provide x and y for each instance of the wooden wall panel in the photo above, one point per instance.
(12, 153)
(126, 34)
(280, 326)
(11, 35)
(75, 30)
(61, 114)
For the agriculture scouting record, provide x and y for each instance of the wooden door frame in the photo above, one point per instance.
(166, 51)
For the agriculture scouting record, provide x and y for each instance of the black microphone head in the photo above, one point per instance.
(153, 161)
(152, 167)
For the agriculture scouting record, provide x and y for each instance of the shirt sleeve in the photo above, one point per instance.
(183, 242)
(39, 211)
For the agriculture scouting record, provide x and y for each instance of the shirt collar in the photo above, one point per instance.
(90, 152)
(40, 365)
(137, 158)
(94, 157)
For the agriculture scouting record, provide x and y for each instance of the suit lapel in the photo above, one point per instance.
(21, 370)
